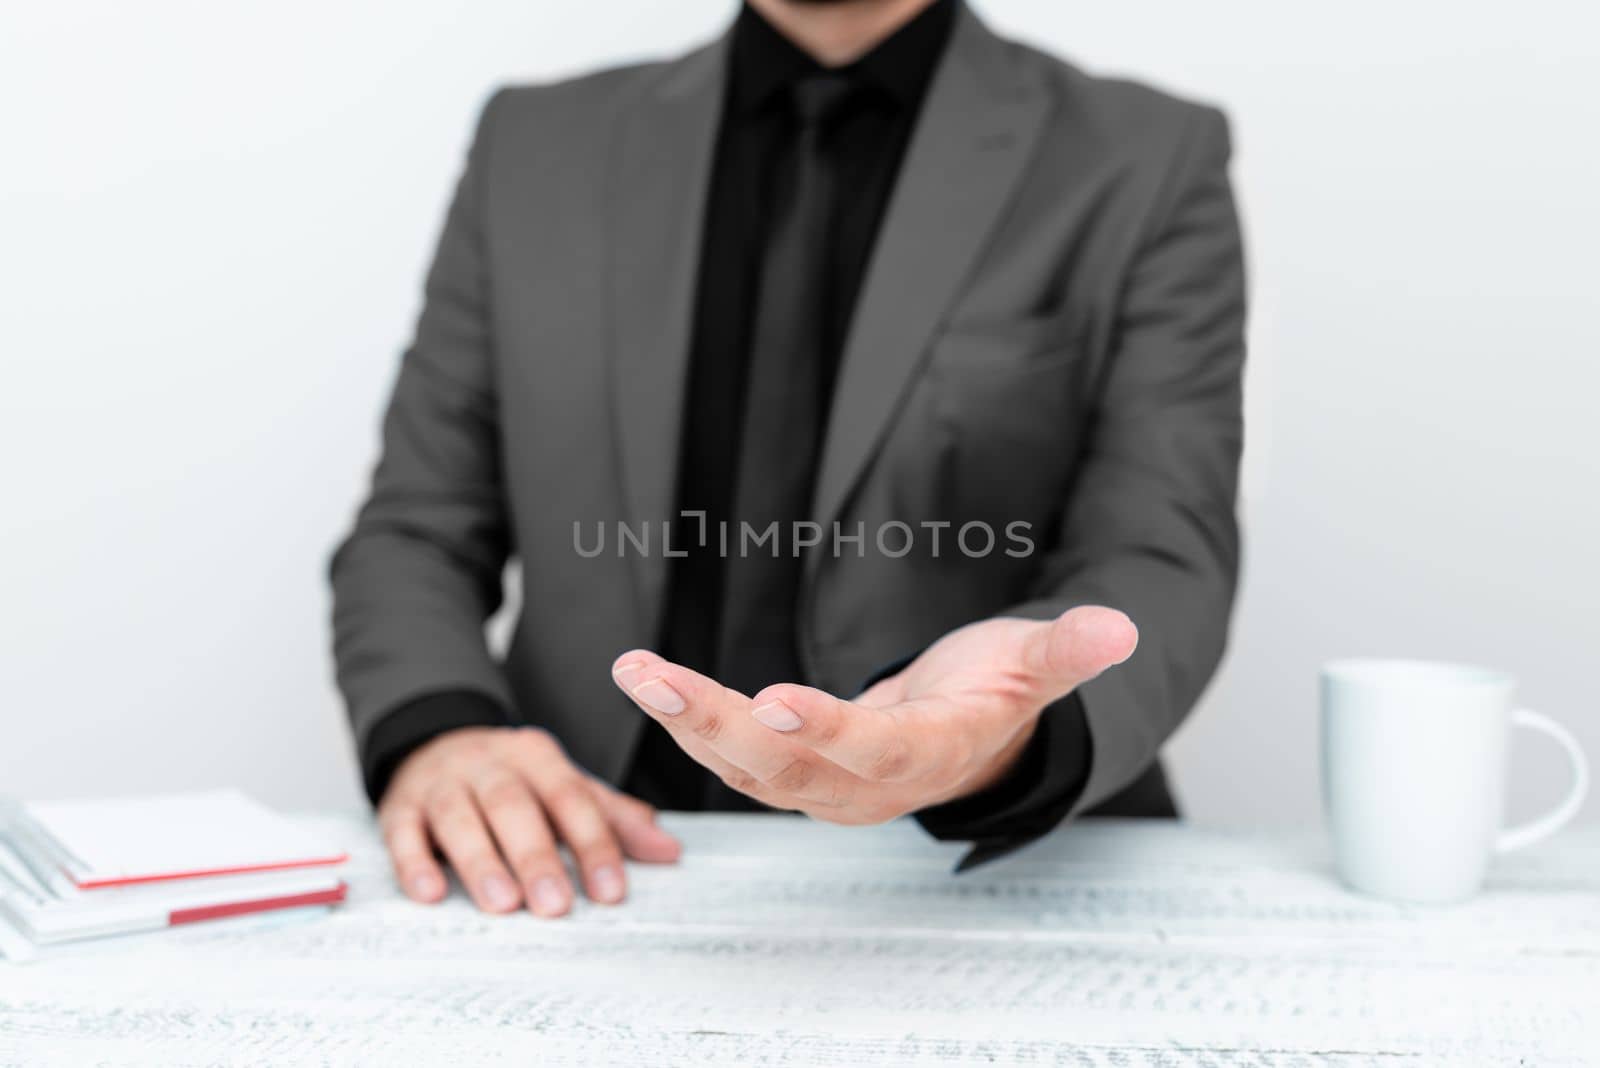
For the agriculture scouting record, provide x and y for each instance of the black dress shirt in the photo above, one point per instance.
(866, 142)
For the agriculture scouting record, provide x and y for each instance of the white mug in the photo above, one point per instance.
(1414, 772)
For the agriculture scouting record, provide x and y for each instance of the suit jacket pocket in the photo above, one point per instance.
(1009, 404)
(1006, 344)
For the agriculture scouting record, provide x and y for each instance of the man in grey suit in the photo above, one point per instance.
(856, 393)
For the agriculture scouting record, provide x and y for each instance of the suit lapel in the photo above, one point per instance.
(975, 136)
(660, 170)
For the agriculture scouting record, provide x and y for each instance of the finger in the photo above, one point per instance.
(406, 837)
(695, 708)
(585, 830)
(897, 743)
(635, 825)
(525, 840)
(629, 670)
(457, 825)
(1076, 646)
(550, 774)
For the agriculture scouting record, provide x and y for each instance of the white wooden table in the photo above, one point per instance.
(779, 941)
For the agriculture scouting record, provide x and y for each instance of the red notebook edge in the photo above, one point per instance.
(285, 865)
(332, 896)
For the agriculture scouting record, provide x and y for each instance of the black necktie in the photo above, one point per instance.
(785, 410)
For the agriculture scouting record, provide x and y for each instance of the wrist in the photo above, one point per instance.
(411, 726)
(1002, 763)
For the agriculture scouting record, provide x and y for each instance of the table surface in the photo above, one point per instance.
(781, 941)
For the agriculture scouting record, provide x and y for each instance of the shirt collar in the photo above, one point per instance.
(764, 61)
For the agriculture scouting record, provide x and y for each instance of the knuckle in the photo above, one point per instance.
(708, 727)
(466, 745)
(797, 774)
(632, 807)
(450, 810)
(395, 814)
(825, 729)
(597, 851)
(890, 761)
(591, 841)
(413, 868)
(587, 832)
(738, 780)
(458, 767)
(565, 793)
(410, 854)
(533, 861)
(442, 800)
(479, 866)
(502, 795)
(407, 870)
(404, 852)
(469, 855)
(401, 838)
(842, 795)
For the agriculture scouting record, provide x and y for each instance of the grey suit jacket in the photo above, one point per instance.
(1049, 333)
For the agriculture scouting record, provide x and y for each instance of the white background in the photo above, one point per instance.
(213, 224)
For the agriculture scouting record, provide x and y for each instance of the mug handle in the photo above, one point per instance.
(1526, 834)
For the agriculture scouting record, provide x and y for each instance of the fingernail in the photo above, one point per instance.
(778, 716)
(424, 885)
(606, 883)
(548, 897)
(657, 695)
(627, 669)
(499, 893)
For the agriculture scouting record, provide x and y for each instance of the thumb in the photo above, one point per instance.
(1078, 645)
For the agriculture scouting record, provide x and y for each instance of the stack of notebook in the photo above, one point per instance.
(84, 869)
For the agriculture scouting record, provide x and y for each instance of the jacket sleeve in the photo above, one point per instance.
(1150, 526)
(421, 571)
(1030, 800)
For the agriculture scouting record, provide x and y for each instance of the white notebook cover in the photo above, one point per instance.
(123, 841)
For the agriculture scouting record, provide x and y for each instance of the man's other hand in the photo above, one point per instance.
(951, 723)
(497, 801)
